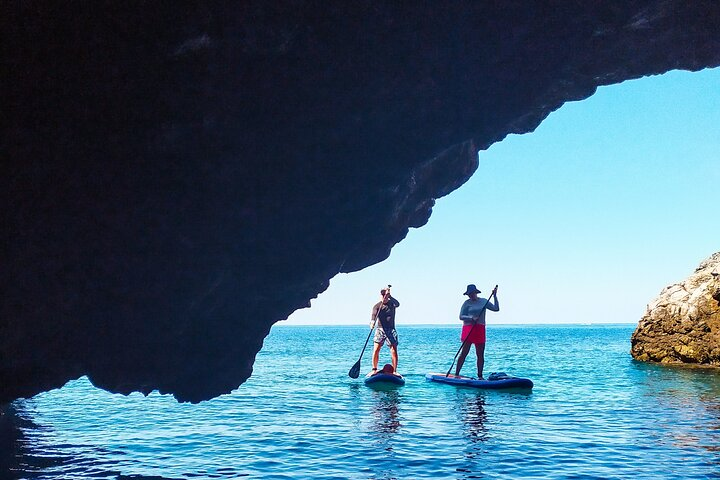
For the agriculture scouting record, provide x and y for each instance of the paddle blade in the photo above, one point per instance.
(355, 370)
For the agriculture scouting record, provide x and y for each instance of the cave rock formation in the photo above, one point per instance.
(176, 178)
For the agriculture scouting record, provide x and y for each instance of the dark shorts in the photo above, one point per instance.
(390, 338)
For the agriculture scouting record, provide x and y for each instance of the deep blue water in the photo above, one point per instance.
(594, 413)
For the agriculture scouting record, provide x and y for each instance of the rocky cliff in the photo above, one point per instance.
(682, 325)
(175, 179)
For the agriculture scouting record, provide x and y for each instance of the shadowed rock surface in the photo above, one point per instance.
(175, 180)
(682, 325)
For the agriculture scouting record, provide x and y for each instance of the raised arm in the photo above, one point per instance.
(494, 306)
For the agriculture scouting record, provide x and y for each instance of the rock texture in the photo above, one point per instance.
(682, 325)
(175, 179)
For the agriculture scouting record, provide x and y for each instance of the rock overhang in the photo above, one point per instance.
(179, 179)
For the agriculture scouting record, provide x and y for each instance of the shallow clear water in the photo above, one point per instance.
(594, 413)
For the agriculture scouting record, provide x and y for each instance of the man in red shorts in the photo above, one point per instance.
(472, 314)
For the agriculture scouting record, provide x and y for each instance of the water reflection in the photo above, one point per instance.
(385, 422)
(9, 441)
(474, 416)
(31, 450)
(386, 413)
(687, 395)
(18, 458)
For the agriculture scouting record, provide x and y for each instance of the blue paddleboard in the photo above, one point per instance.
(384, 379)
(492, 383)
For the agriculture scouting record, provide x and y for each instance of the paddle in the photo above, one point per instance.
(470, 332)
(355, 370)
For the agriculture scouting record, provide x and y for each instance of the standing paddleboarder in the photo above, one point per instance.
(472, 314)
(384, 312)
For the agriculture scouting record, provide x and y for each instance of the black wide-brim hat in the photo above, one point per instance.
(471, 289)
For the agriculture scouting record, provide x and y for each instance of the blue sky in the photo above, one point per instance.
(584, 220)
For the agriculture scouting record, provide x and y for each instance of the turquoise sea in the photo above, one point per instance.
(594, 413)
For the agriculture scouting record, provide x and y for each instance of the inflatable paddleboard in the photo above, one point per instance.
(384, 379)
(493, 382)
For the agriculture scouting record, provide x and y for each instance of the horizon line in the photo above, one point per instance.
(582, 324)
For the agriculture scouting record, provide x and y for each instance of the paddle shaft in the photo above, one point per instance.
(368, 338)
(470, 332)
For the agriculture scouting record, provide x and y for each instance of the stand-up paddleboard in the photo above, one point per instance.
(493, 382)
(384, 379)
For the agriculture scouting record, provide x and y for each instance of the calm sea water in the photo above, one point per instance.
(594, 413)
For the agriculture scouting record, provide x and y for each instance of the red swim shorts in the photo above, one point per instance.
(476, 336)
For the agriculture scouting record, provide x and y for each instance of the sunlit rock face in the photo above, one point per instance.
(175, 180)
(682, 325)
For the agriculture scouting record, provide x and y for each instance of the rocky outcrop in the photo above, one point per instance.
(175, 179)
(682, 325)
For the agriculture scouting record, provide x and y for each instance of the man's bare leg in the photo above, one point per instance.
(394, 357)
(480, 351)
(376, 355)
(463, 353)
